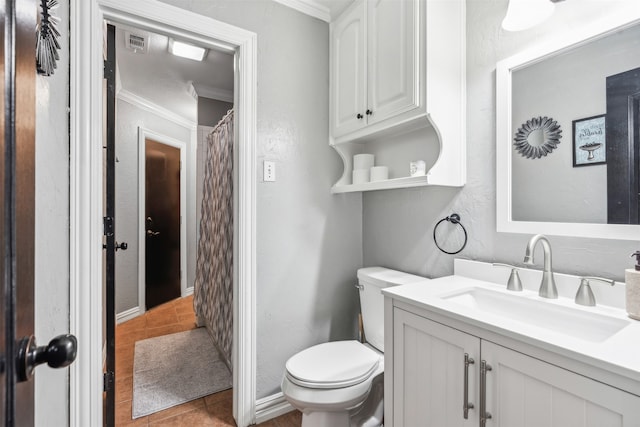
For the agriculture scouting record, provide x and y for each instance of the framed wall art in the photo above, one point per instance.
(589, 141)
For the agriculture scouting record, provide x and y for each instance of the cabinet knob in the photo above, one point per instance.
(369, 112)
(359, 116)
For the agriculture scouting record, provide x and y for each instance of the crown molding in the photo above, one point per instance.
(145, 104)
(213, 92)
(308, 7)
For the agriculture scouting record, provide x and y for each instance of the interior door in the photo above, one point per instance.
(17, 189)
(110, 245)
(623, 147)
(162, 213)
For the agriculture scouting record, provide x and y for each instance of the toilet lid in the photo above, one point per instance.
(332, 365)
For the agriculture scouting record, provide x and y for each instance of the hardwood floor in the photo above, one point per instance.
(213, 410)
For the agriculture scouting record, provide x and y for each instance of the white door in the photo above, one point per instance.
(429, 373)
(526, 392)
(348, 71)
(392, 36)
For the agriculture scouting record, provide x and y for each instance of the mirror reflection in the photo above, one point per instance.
(592, 174)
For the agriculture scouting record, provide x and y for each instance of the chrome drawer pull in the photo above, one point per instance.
(484, 415)
(466, 404)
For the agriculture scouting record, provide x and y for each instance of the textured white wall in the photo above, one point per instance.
(52, 229)
(309, 242)
(398, 224)
(128, 119)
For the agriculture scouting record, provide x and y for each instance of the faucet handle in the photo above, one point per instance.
(514, 283)
(585, 296)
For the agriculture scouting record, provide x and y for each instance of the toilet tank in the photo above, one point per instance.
(371, 280)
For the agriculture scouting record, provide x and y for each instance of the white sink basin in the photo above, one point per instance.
(534, 312)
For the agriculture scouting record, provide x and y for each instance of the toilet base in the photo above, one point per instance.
(368, 414)
(324, 419)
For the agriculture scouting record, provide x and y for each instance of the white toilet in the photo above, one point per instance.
(341, 383)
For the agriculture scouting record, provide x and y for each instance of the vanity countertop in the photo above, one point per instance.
(617, 351)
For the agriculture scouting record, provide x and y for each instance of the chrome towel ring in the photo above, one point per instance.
(454, 219)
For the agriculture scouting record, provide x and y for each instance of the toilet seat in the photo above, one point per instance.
(332, 365)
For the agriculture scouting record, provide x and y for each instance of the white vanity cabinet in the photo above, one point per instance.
(429, 373)
(524, 391)
(398, 66)
(425, 382)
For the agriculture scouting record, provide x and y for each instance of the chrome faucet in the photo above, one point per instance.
(548, 285)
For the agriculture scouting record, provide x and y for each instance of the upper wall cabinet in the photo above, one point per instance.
(397, 66)
(374, 67)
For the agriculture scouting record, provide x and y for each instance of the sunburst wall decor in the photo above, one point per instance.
(47, 44)
(551, 134)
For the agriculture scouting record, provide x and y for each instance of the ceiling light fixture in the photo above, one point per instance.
(186, 50)
(523, 14)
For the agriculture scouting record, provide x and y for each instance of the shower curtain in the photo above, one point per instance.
(213, 291)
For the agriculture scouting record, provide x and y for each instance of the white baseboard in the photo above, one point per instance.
(187, 291)
(128, 315)
(271, 406)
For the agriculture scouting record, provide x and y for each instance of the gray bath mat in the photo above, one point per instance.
(174, 369)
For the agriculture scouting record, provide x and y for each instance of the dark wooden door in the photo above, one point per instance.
(623, 147)
(110, 245)
(18, 348)
(162, 213)
(18, 193)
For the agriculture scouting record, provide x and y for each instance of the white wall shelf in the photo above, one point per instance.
(421, 83)
(388, 184)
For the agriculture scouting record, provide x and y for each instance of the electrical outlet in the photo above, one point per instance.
(269, 171)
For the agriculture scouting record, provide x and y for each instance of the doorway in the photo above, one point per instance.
(156, 136)
(86, 204)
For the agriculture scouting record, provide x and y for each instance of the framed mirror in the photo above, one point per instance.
(585, 180)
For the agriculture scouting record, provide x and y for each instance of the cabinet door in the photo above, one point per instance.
(348, 71)
(392, 36)
(526, 392)
(428, 373)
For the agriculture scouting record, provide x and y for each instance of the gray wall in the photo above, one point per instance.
(398, 224)
(566, 87)
(52, 229)
(210, 111)
(308, 241)
(128, 118)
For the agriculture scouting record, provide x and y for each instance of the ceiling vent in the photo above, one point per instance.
(137, 42)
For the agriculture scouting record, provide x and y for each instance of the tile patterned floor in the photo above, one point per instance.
(213, 410)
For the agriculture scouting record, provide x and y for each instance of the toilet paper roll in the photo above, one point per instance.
(379, 173)
(363, 161)
(632, 289)
(360, 176)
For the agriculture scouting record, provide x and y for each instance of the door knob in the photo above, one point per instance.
(60, 353)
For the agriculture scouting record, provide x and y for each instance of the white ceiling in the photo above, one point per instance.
(336, 7)
(327, 10)
(165, 80)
